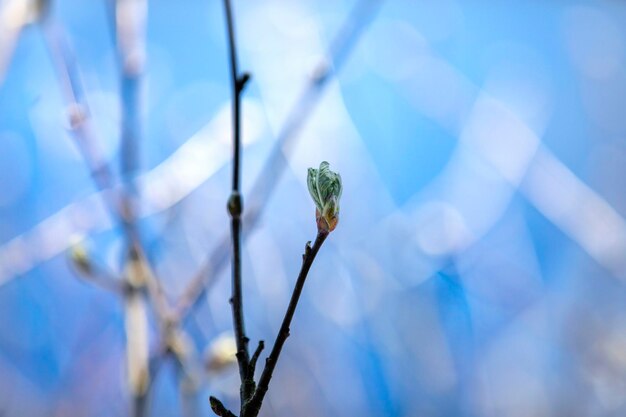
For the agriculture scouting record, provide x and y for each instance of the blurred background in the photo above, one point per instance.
(478, 266)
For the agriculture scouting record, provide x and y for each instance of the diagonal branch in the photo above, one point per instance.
(87, 143)
(254, 405)
(79, 114)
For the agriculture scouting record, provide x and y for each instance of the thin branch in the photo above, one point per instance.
(255, 357)
(130, 27)
(137, 349)
(204, 278)
(274, 167)
(238, 83)
(253, 407)
(87, 143)
(189, 379)
(119, 206)
(235, 209)
(166, 172)
(130, 16)
(79, 114)
(141, 402)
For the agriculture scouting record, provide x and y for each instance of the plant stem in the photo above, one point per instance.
(254, 405)
(235, 209)
(265, 183)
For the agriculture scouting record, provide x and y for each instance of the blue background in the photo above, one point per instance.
(477, 267)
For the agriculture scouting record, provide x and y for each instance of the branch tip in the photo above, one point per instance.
(307, 250)
(219, 409)
(255, 357)
(242, 81)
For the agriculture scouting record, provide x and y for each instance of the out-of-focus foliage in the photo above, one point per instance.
(478, 266)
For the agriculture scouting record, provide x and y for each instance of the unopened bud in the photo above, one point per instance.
(325, 189)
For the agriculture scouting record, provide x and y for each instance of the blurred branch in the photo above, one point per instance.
(274, 167)
(168, 183)
(79, 114)
(161, 188)
(86, 141)
(130, 16)
(137, 355)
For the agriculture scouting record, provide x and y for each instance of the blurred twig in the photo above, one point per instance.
(162, 187)
(130, 17)
(130, 27)
(167, 184)
(79, 114)
(87, 142)
(137, 272)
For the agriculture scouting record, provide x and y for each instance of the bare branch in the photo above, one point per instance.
(253, 407)
(79, 114)
(255, 357)
(235, 208)
(274, 167)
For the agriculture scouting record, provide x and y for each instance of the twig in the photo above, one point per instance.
(141, 402)
(120, 207)
(79, 114)
(137, 353)
(188, 376)
(204, 278)
(235, 209)
(130, 19)
(87, 143)
(269, 177)
(255, 357)
(166, 172)
(253, 407)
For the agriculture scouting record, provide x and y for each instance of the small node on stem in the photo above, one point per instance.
(307, 250)
(76, 114)
(235, 204)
